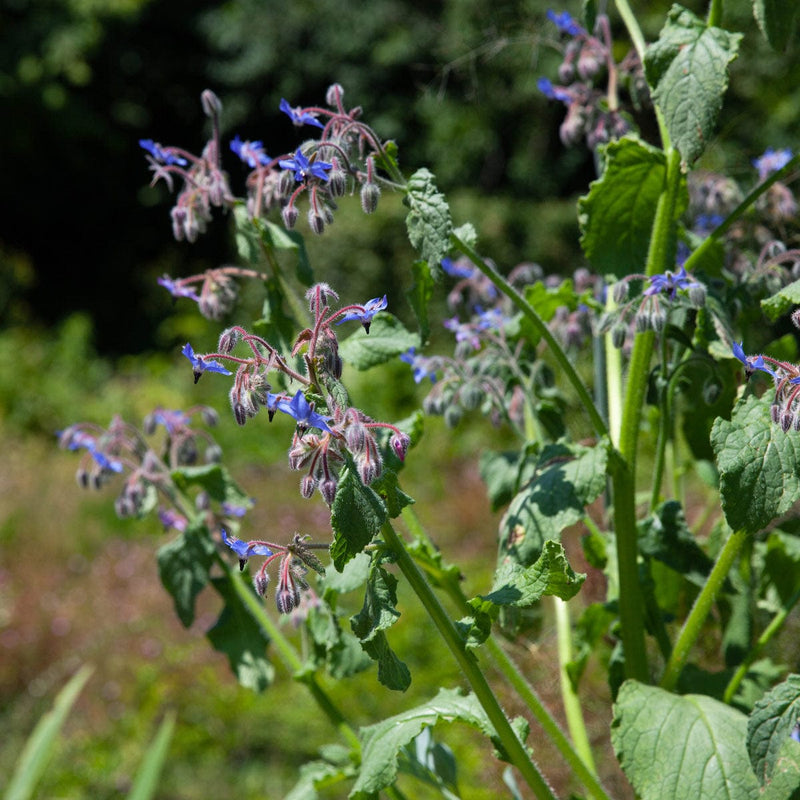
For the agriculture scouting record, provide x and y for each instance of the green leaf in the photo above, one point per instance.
(503, 473)
(392, 672)
(275, 326)
(356, 516)
(380, 600)
(387, 339)
(566, 480)
(352, 576)
(145, 784)
(616, 217)
(781, 566)
(381, 743)
(386, 485)
(665, 536)
(547, 300)
(521, 587)
(340, 653)
(39, 746)
(319, 775)
(785, 783)
(241, 638)
(248, 242)
(214, 479)
(687, 69)
(593, 625)
(419, 297)
(759, 466)
(770, 725)
(276, 237)
(428, 221)
(777, 20)
(430, 559)
(782, 302)
(183, 566)
(673, 747)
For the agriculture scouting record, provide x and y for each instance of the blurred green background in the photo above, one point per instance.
(87, 333)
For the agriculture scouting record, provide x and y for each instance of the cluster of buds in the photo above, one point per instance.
(296, 558)
(121, 448)
(345, 156)
(593, 113)
(322, 443)
(785, 408)
(649, 310)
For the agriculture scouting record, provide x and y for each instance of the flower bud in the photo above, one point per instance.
(370, 194)
(228, 339)
(787, 421)
(307, 486)
(697, 295)
(287, 597)
(187, 452)
(452, 416)
(642, 321)
(796, 318)
(619, 291)
(149, 425)
(209, 415)
(658, 319)
(334, 94)
(775, 413)
(290, 214)
(399, 442)
(337, 182)
(618, 335)
(471, 396)
(212, 106)
(327, 488)
(261, 582)
(316, 221)
(212, 454)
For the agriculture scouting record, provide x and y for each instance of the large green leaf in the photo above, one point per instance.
(687, 69)
(237, 634)
(381, 743)
(616, 217)
(783, 301)
(674, 747)
(356, 516)
(387, 338)
(214, 479)
(770, 725)
(183, 566)
(759, 466)
(567, 478)
(428, 221)
(419, 296)
(777, 20)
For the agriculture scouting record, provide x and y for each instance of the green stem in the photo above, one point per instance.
(613, 381)
(769, 632)
(515, 678)
(541, 329)
(572, 703)
(714, 13)
(702, 605)
(290, 657)
(515, 750)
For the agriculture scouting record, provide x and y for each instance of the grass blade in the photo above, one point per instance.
(146, 780)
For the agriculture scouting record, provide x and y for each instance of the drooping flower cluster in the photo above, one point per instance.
(344, 156)
(322, 442)
(594, 113)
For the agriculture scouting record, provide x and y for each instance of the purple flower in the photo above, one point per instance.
(565, 23)
(200, 365)
(752, 363)
(552, 92)
(252, 153)
(420, 364)
(172, 519)
(298, 116)
(162, 154)
(171, 420)
(245, 549)
(457, 269)
(177, 288)
(303, 168)
(303, 412)
(669, 283)
(236, 510)
(365, 313)
(771, 161)
(80, 439)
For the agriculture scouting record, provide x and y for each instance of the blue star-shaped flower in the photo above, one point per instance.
(420, 364)
(245, 549)
(752, 363)
(669, 283)
(552, 92)
(564, 22)
(457, 269)
(303, 168)
(252, 153)
(177, 289)
(200, 365)
(771, 161)
(365, 313)
(161, 154)
(303, 412)
(298, 116)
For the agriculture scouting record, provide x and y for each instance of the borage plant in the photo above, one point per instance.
(690, 470)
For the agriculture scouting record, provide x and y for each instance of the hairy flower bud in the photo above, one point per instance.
(290, 214)
(287, 597)
(618, 335)
(697, 295)
(399, 442)
(471, 396)
(307, 486)
(210, 416)
(261, 582)
(337, 181)
(452, 416)
(334, 94)
(370, 194)
(212, 106)
(327, 488)
(228, 339)
(619, 291)
(316, 221)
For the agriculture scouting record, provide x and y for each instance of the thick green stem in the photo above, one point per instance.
(702, 605)
(542, 330)
(515, 750)
(758, 648)
(290, 657)
(572, 703)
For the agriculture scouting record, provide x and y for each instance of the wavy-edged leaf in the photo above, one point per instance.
(428, 221)
(674, 747)
(783, 301)
(387, 339)
(687, 69)
(759, 466)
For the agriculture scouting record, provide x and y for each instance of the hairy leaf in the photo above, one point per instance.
(687, 69)
(783, 301)
(183, 566)
(380, 600)
(241, 638)
(428, 221)
(616, 217)
(387, 339)
(356, 516)
(392, 672)
(770, 725)
(759, 466)
(673, 747)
